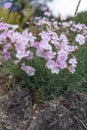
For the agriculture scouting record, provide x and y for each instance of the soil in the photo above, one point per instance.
(17, 112)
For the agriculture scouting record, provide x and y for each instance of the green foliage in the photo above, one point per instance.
(13, 17)
(80, 18)
(46, 84)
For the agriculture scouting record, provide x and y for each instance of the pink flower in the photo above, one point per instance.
(55, 24)
(29, 55)
(49, 55)
(61, 59)
(45, 45)
(73, 64)
(55, 36)
(55, 70)
(63, 17)
(71, 69)
(55, 42)
(79, 26)
(30, 71)
(73, 61)
(61, 64)
(16, 62)
(23, 54)
(45, 36)
(7, 55)
(7, 5)
(62, 55)
(6, 47)
(31, 39)
(80, 39)
(36, 45)
(14, 36)
(52, 66)
(40, 52)
(70, 48)
(3, 36)
(47, 13)
(65, 24)
(2, 26)
(63, 39)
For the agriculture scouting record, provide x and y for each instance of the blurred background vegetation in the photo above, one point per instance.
(22, 10)
(19, 13)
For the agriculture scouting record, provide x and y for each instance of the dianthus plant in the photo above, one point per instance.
(55, 42)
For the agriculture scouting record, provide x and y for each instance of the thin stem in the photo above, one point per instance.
(77, 7)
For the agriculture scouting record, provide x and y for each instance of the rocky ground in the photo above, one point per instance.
(18, 112)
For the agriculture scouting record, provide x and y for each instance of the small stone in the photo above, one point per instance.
(34, 117)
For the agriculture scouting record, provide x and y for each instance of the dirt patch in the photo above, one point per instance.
(77, 104)
(15, 109)
(68, 112)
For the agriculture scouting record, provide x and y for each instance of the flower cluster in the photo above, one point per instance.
(7, 5)
(55, 42)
